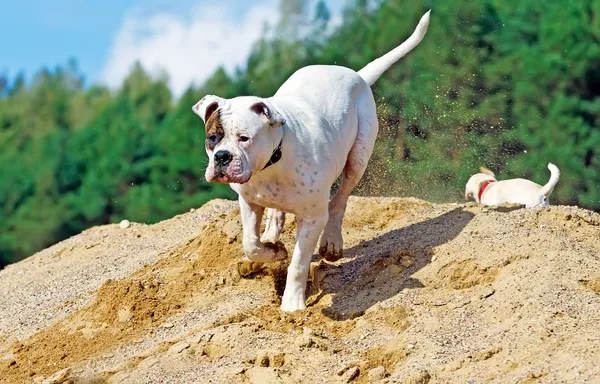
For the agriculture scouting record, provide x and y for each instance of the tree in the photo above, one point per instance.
(506, 84)
(555, 99)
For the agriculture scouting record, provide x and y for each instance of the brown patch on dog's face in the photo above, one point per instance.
(214, 130)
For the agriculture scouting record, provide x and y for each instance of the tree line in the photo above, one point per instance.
(511, 85)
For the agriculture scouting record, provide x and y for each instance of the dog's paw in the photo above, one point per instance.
(278, 250)
(247, 267)
(332, 243)
(293, 303)
(330, 252)
(267, 253)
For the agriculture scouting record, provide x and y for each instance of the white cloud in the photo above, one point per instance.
(188, 49)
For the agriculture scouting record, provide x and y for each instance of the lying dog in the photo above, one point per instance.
(485, 189)
(286, 151)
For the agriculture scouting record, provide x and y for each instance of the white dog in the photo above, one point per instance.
(485, 189)
(286, 151)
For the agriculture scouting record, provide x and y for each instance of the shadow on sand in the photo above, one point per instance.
(382, 267)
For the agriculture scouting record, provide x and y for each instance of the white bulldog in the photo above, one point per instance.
(286, 151)
(486, 190)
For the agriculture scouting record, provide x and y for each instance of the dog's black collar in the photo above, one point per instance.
(275, 157)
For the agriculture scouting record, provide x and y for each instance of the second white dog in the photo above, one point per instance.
(485, 189)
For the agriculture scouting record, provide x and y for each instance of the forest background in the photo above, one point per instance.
(507, 84)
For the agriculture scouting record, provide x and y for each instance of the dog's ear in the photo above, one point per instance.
(273, 117)
(486, 171)
(207, 106)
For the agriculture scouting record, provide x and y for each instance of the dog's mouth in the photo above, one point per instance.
(224, 178)
(231, 171)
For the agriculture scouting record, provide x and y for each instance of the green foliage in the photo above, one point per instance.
(551, 52)
(510, 85)
(73, 158)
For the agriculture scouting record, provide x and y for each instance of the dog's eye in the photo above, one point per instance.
(243, 139)
(212, 139)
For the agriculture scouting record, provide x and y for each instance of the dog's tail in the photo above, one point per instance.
(372, 71)
(554, 176)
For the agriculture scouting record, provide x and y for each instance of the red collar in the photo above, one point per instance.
(483, 187)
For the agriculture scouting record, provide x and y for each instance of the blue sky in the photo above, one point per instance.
(105, 37)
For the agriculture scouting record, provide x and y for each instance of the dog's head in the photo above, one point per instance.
(476, 181)
(240, 136)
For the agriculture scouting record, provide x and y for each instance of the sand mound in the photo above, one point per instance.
(426, 293)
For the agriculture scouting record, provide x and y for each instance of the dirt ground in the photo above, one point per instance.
(426, 293)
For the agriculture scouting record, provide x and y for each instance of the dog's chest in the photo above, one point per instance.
(292, 191)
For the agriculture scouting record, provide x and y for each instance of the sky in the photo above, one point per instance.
(186, 39)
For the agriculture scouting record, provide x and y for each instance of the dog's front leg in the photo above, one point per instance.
(254, 249)
(309, 229)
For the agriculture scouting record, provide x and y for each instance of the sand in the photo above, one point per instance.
(425, 293)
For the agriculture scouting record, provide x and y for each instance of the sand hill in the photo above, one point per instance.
(426, 293)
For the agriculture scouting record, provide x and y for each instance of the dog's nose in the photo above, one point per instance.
(223, 158)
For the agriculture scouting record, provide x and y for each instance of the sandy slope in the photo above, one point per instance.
(426, 293)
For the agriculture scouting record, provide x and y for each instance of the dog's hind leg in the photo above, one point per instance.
(273, 225)
(331, 244)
